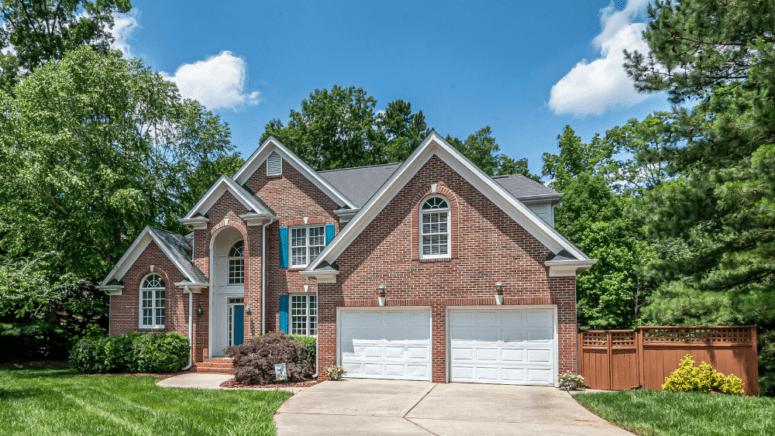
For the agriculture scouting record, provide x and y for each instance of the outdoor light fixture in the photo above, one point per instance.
(200, 311)
(381, 290)
(247, 310)
(499, 295)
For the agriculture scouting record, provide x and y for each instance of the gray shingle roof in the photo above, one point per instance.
(180, 249)
(524, 188)
(562, 255)
(359, 184)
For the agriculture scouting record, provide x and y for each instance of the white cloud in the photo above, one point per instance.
(594, 87)
(123, 26)
(217, 82)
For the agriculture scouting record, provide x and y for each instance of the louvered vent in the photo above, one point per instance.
(274, 165)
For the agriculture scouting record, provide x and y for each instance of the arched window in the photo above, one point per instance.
(237, 264)
(434, 228)
(152, 301)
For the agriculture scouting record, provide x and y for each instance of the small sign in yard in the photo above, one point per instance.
(279, 372)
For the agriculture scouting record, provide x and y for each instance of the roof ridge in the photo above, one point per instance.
(357, 168)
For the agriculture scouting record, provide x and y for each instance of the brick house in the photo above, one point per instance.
(423, 270)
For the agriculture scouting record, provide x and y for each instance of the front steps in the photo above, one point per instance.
(215, 365)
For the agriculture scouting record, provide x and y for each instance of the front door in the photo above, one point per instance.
(236, 321)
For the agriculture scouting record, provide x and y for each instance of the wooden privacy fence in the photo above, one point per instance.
(625, 359)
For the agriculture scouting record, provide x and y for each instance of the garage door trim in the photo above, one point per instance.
(555, 325)
(340, 310)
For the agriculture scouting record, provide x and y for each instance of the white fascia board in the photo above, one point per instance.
(111, 290)
(135, 250)
(272, 144)
(568, 268)
(491, 189)
(223, 184)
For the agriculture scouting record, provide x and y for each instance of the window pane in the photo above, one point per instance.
(316, 236)
(236, 271)
(298, 237)
(299, 256)
(237, 250)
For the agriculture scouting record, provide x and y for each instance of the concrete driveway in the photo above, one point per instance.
(387, 407)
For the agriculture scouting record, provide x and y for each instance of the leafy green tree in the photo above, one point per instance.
(399, 131)
(596, 219)
(94, 147)
(334, 129)
(37, 31)
(483, 150)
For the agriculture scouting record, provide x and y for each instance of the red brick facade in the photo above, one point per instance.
(487, 246)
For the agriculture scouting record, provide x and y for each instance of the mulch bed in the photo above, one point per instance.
(233, 384)
(36, 364)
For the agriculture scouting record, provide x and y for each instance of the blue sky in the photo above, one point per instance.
(525, 69)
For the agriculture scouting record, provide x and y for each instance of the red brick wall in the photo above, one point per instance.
(292, 197)
(490, 247)
(125, 308)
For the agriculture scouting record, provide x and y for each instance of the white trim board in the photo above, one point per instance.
(435, 145)
(135, 250)
(272, 144)
(223, 184)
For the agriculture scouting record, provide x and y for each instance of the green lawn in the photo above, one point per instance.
(682, 414)
(58, 402)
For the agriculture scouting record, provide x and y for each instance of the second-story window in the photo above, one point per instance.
(237, 264)
(434, 228)
(306, 244)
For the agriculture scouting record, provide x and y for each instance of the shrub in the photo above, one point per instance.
(131, 352)
(766, 362)
(690, 378)
(161, 353)
(33, 340)
(310, 345)
(254, 360)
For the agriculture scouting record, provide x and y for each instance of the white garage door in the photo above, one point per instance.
(390, 344)
(502, 346)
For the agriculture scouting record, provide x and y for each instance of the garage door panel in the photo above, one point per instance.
(502, 346)
(393, 344)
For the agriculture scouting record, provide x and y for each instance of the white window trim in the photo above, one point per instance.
(153, 303)
(306, 315)
(448, 209)
(307, 246)
(228, 265)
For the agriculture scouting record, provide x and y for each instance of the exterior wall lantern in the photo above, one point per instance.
(381, 290)
(200, 311)
(248, 310)
(499, 295)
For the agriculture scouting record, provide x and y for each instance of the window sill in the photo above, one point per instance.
(435, 259)
(158, 327)
(297, 268)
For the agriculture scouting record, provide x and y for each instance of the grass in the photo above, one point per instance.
(59, 402)
(660, 413)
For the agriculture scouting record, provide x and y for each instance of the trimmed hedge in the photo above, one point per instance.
(131, 352)
(310, 345)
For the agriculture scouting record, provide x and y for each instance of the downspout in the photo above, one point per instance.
(190, 329)
(263, 276)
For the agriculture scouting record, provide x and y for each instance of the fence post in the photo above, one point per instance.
(639, 352)
(579, 351)
(610, 346)
(755, 345)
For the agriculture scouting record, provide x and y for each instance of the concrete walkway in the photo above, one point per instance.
(208, 381)
(386, 407)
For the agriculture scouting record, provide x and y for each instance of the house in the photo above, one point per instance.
(423, 270)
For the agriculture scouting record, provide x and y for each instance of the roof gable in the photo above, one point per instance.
(271, 144)
(176, 247)
(435, 145)
(223, 184)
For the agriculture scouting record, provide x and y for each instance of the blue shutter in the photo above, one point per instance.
(330, 229)
(284, 312)
(284, 247)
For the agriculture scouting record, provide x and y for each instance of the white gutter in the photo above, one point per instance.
(190, 328)
(263, 275)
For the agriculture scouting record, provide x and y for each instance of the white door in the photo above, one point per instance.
(502, 346)
(385, 343)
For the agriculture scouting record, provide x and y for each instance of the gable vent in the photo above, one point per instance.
(274, 165)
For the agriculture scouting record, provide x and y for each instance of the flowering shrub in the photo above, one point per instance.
(690, 378)
(567, 378)
(334, 371)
